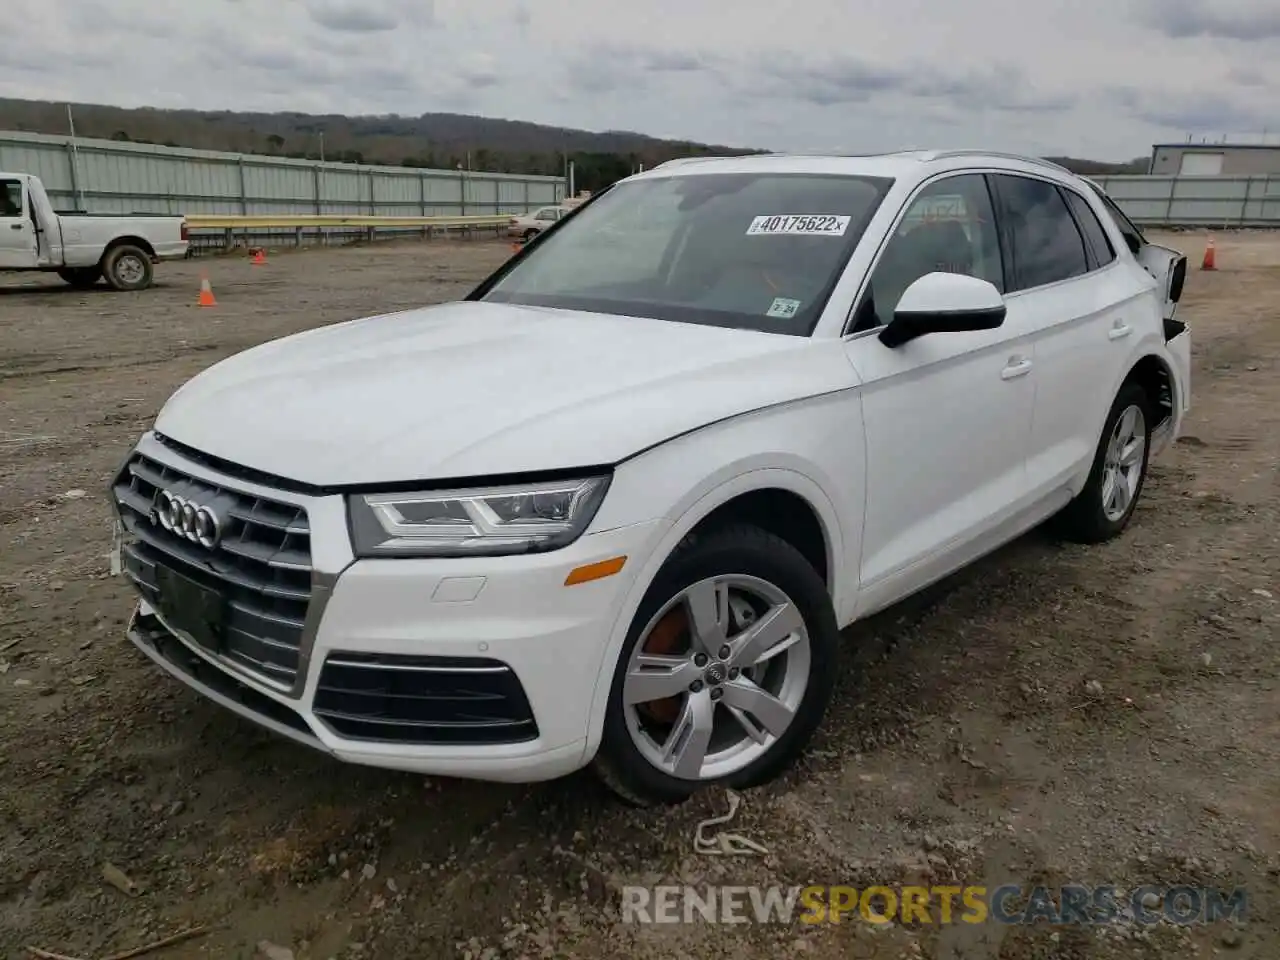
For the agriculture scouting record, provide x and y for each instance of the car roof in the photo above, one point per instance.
(909, 165)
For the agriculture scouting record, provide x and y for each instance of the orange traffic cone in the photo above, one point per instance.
(206, 294)
(1209, 262)
(259, 256)
(515, 247)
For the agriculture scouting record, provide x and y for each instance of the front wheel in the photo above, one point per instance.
(1104, 507)
(726, 671)
(127, 268)
(529, 235)
(82, 278)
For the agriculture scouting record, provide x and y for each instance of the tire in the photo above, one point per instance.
(529, 235)
(82, 278)
(766, 578)
(1089, 518)
(127, 267)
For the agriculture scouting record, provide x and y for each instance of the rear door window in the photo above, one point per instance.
(1044, 241)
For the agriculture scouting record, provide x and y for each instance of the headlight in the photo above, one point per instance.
(529, 518)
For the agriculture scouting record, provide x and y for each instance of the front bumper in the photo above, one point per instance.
(473, 667)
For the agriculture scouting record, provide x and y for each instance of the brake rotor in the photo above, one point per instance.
(669, 637)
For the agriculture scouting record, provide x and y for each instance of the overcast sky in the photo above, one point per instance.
(1093, 78)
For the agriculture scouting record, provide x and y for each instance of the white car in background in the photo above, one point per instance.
(531, 224)
(616, 506)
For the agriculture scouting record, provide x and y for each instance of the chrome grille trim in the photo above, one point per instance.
(297, 582)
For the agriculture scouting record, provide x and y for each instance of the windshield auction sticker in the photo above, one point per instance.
(783, 308)
(805, 225)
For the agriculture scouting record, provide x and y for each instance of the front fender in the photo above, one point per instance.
(679, 481)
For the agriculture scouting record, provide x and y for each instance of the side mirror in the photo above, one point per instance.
(943, 303)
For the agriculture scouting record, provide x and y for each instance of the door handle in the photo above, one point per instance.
(1120, 329)
(15, 226)
(1016, 367)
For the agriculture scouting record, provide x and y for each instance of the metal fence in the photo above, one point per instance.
(1220, 202)
(107, 176)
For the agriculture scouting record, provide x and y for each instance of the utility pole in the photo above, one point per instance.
(75, 161)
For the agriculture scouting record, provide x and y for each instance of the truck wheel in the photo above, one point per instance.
(725, 673)
(1104, 507)
(530, 234)
(82, 278)
(127, 268)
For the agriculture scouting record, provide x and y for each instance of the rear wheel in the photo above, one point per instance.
(127, 267)
(82, 278)
(1104, 507)
(726, 671)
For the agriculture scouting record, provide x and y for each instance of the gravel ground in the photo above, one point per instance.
(1105, 715)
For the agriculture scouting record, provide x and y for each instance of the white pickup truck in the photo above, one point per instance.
(82, 249)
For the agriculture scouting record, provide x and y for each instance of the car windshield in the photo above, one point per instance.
(744, 250)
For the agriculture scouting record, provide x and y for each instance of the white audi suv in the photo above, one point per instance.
(615, 507)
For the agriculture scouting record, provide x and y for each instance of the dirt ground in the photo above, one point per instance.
(1105, 715)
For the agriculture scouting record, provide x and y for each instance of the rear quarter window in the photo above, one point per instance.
(1094, 234)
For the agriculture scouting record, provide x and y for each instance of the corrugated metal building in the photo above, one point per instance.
(1215, 159)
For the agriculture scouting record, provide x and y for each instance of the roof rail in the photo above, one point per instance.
(1039, 161)
(681, 161)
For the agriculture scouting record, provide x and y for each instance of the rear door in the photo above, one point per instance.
(1081, 312)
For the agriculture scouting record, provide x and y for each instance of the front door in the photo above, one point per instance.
(947, 416)
(17, 233)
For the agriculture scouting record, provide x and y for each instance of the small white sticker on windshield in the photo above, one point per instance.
(783, 308)
(805, 225)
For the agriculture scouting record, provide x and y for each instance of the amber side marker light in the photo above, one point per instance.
(595, 571)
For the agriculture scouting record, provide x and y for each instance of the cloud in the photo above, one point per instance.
(480, 71)
(1251, 21)
(1247, 77)
(619, 66)
(848, 80)
(523, 18)
(1083, 77)
(1193, 112)
(351, 16)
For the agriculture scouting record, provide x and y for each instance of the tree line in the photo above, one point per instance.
(431, 141)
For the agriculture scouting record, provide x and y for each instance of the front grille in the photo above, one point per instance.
(258, 575)
(423, 700)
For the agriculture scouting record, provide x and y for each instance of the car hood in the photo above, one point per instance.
(477, 389)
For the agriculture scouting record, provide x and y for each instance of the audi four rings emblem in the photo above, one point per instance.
(188, 519)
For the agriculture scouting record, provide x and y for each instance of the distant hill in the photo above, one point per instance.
(435, 140)
(1101, 168)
